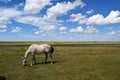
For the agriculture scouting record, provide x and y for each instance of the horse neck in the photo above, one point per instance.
(26, 54)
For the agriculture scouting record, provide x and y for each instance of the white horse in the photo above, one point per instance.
(34, 48)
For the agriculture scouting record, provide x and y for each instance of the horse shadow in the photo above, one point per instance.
(2, 78)
(38, 63)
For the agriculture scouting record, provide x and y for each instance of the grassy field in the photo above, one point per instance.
(72, 61)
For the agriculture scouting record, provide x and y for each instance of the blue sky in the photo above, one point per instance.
(59, 20)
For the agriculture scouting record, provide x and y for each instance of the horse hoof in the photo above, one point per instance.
(31, 64)
(51, 63)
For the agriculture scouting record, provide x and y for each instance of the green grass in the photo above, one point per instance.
(81, 62)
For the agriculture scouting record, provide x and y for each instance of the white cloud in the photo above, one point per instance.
(30, 20)
(78, 18)
(77, 30)
(36, 21)
(6, 15)
(3, 26)
(63, 32)
(62, 28)
(4, 21)
(17, 29)
(19, 6)
(97, 19)
(3, 30)
(9, 12)
(113, 17)
(90, 29)
(112, 33)
(62, 8)
(35, 6)
(38, 32)
(46, 29)
(5, 1)
(89, 11)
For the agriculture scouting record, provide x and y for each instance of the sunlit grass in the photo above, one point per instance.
(70, 63)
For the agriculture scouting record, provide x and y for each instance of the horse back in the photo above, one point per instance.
(44, 48)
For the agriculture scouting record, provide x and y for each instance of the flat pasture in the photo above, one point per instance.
(72, 61)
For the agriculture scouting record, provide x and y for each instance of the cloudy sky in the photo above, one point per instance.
(59, 20)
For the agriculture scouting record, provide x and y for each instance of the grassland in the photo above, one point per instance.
(72, 61)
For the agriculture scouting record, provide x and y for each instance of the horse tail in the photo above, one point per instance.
(52, 49)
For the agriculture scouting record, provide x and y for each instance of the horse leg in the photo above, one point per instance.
(46, 57)
(33, 59)
(50, 55)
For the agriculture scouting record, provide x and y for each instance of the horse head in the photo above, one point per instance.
(24, 61)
